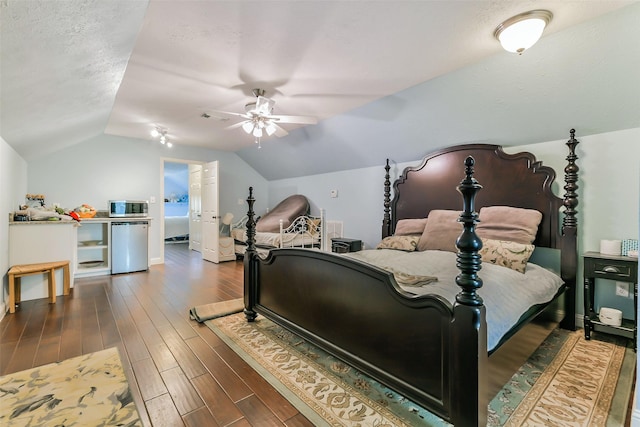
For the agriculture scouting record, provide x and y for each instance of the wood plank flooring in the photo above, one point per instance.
(180, 372)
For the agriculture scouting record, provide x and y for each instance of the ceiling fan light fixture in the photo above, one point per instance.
(257, 132)
(248, 127)
(270, 128)
(522, 31)
(162, 133)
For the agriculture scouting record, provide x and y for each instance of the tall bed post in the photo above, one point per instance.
(250, 258)
(469, 392)
(386, 220)
(569, 257)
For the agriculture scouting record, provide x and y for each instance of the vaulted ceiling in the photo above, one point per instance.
(383, 78)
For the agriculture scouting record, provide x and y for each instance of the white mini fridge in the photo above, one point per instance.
(129, 246)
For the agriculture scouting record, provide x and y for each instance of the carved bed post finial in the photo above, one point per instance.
(468, 243)
(250, 258)
(571, 183)
(470, 361)
(251, 223)
(386, 221)
(569, 254)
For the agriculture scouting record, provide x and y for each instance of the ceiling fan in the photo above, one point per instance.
(259, 120)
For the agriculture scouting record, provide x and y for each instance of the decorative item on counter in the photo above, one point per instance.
(21, 216)
(34, 200)
(629, 247)
(611, 247)
(85, 211)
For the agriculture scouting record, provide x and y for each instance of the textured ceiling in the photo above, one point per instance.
(372, 72)
(61, 66)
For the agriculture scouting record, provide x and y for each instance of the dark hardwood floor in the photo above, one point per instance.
(181, 373)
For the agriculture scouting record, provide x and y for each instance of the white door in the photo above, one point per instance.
(210, 213)
(195, 207)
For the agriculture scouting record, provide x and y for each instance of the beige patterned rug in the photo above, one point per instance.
(576, 389)
(89, 390)
(567, 382)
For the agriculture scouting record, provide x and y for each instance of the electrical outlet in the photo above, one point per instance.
(622, 289)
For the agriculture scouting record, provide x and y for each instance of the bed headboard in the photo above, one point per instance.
(516, 180)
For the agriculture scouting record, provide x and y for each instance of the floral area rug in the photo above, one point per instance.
(89, 390)
(567, 382)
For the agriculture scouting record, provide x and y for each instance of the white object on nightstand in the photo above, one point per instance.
(610, 316)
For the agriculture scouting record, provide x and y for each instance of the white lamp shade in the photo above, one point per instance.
(270, 128)
(247, 127)
(522, 35)
(522, 31)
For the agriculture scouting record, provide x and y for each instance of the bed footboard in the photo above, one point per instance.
(358, 314)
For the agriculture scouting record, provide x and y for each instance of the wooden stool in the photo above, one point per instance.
(18, 271)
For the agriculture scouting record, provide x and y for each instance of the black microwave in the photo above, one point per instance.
(128, 208)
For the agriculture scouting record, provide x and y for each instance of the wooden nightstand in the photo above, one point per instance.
(611, 267)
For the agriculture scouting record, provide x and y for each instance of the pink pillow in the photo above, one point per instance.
(509, 224)
(441, 232)
(406, 227)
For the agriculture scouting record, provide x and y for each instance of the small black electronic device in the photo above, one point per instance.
(343, 245)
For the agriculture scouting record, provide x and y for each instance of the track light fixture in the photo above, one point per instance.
(162, 133)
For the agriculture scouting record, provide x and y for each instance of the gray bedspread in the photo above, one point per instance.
(507, 294)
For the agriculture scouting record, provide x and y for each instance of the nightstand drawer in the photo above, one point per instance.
(612, 269)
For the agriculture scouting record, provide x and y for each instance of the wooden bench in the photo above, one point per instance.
(48, 268)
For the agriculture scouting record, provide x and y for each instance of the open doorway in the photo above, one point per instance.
(176, 203)
(176, 213)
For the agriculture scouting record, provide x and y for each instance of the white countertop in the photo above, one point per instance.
(44, 222)
(76, 223)
(109, 219)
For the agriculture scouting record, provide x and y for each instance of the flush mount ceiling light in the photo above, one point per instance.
(522, 31)
(162, 133)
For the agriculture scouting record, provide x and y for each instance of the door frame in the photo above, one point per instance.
(161, 219)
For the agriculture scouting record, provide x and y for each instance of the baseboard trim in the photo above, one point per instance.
(3, 309)
(154, 261)
(580, 321)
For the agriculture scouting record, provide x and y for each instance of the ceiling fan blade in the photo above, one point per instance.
(236, 125)
(280, 132)
(224, 113)
(294, 119)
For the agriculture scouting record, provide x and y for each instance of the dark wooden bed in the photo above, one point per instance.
(428, 349)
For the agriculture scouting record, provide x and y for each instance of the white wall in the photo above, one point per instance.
(110, 167)
(13, 187)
